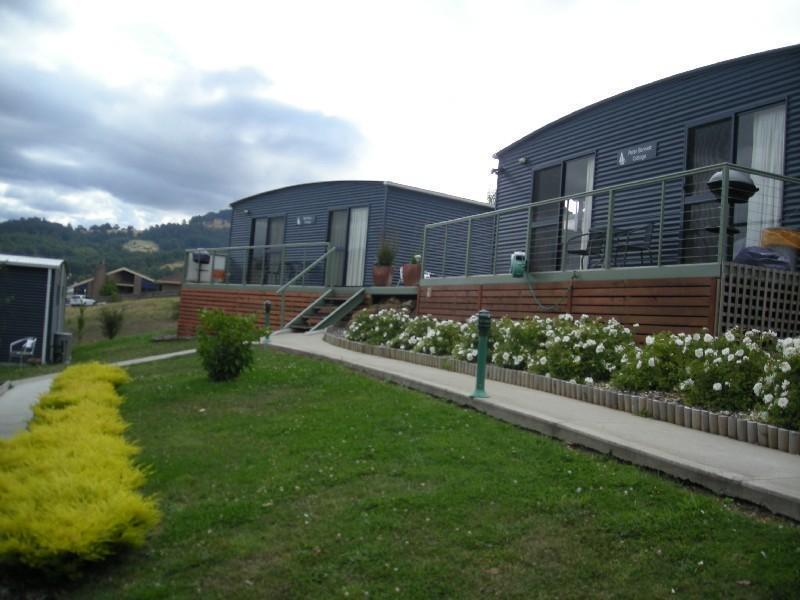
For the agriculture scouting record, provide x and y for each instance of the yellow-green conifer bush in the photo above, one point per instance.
(68, 485)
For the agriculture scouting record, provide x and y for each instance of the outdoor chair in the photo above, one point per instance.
(23, 348)
(636, 240)
(590, 246)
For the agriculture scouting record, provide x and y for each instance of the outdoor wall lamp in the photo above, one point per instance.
(522, 160)
(497, 171)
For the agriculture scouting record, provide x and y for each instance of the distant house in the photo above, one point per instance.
(32, 295)
(128, 282)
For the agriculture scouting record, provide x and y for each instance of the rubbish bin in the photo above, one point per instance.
(782, 241)
(62, 347)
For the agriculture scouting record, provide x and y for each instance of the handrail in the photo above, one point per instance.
(293, 245)
(282, 290)
(610, 190)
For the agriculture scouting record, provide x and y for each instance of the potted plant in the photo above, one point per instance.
(382, 271)
(411, 271)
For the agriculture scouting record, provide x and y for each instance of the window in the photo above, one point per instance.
(555, 226)
(752, 139)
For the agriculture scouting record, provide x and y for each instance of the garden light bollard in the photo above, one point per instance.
(484, 325)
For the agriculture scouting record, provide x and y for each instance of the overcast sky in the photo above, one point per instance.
(147, 111)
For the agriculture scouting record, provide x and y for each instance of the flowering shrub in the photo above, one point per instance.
(778, 389)
(724, 370)
(742, 371)
(658, 365)
(515, 342)
(587, 349)
(378, 328)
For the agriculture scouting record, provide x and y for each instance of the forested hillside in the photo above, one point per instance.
(156, 252)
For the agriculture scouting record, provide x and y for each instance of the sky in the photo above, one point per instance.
(152, 111)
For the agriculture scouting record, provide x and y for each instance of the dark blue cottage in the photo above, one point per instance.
(295, 224)
(32, 298)
(637, 207)
(308, 250)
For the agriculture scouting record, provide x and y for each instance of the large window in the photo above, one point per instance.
(558, 226)
(753, 139)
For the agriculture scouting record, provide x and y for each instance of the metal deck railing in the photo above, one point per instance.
(673, 219)
(276, 264)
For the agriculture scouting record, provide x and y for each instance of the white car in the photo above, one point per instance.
(81, 300)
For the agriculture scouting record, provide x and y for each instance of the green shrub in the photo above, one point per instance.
(111, 321)
(378, 328)
(224, 343)
(515, 342)
(658, 365)
(586, 350)
(81, 324)
(722, 372)
(68, 485)
(110, 289)
(778, 389)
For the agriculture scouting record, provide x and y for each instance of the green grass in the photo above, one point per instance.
(143, 320)
(304, 480)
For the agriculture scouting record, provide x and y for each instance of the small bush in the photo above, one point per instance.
(516, 342)
(81, 325)
(224, 343)
(110, 289)
(778, 389)
(378, 328)
(68, 485)
(659, 365)
(111, 321)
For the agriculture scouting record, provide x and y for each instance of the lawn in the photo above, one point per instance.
(302, 479)
(143, 320)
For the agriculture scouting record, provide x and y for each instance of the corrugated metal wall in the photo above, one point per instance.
(23, 295)
(661, 112)
(314, 200)
(409, 211)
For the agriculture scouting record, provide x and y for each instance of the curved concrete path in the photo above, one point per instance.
(765, 477)
(16, 404)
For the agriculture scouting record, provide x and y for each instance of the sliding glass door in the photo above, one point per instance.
(347, 232)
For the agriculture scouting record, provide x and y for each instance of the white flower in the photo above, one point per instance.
(698, 352)
(783, 401)
(717, 387)
(757, 388)
(576, 360)
(708, 338)
(785, 367)
(639, 364)
(726, 351)
(729, 336)
(649, 340)
(543, 360)
(506, 356)
(588, 380)
(652, 362)
(768, 398)
(600, 348)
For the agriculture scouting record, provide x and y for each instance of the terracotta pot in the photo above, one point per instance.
(381, 275)
(411, 273)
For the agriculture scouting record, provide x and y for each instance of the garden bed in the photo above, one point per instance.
(646, 404)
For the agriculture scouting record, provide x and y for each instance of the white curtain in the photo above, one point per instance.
(357, 246)
(764, 208)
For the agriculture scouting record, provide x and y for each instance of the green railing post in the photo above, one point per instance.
(484, 326)
(661, 221)
(424, 251)
(469, 242)
(444, 254)
(722, 246)
(609, 231)
(528, 238)
(494, 246)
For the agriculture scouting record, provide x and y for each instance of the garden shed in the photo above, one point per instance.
(32, 298)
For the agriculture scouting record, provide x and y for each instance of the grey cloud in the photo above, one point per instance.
(63, 131)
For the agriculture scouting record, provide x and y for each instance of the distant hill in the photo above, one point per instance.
(156, 251)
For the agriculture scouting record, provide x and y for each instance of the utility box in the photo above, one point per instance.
(518, 264)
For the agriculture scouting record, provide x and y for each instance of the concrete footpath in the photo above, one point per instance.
(16, 404)
(759, 475)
